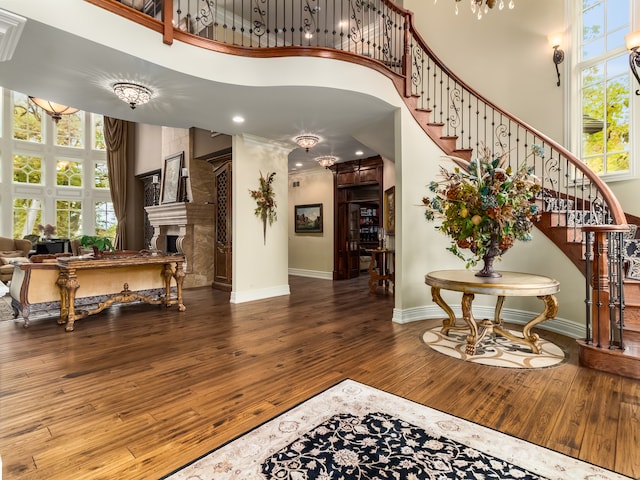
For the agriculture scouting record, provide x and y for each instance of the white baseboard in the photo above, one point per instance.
(519, 317)
(299, 272)
(260, 294)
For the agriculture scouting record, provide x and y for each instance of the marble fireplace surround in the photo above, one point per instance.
(193, 225)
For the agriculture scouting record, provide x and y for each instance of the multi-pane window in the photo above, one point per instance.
(58, 171)
(27, 119)
(70, 130)
(68, 173)
(27, 215)
(604, 88)
(106, 221)
(68, 218)
(27, 169)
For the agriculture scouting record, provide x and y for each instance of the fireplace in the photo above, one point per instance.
(186, 228)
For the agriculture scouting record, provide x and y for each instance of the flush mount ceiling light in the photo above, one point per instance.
(307, 141)
(54, 110)
(326, 160)
(132, 93)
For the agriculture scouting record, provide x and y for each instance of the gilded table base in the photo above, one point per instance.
(480, 329)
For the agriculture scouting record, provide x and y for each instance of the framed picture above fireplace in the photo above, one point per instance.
(171, 177)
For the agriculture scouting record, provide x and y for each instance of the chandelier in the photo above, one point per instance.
(132, 93)
(326, 160)
(307, 141)
(54, 110)
(482, 7)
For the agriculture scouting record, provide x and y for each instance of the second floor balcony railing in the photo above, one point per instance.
(381, 35)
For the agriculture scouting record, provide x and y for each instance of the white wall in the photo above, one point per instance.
(260, 268)
(311, 254)
(148, 148)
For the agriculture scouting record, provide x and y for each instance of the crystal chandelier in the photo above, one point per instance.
(482, 7)
(307, 141)
(326, 160)
(132, 93)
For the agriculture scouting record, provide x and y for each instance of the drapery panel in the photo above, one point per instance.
(115, 135)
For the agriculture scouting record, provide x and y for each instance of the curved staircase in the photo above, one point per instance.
(382, 36)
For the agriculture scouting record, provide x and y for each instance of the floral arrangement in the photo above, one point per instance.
(486, 207)
(266, 202)
(47, 230)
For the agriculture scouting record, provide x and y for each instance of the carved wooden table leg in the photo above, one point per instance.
(447, 323)
(179, 279)
(550, 311)
(64, 298)
(71, 285)
(467, 315)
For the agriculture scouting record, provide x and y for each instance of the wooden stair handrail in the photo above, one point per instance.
(401, 81)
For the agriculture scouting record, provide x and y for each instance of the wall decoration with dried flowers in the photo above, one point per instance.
(485, 206)
(266, 202)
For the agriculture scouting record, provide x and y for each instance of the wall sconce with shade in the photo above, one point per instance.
(132, 93)
(633, 44)
(307, 141)
(555, 41)
(54, 110)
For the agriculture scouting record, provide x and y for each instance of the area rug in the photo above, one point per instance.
(6, 312)
(495, 350)
(354, 431)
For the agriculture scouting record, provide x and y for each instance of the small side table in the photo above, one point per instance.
(381, 269)
(511, 284)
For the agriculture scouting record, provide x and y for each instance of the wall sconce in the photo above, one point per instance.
(555, 41)
(633, 44)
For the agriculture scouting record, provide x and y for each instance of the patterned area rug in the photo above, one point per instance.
(353, 431)
(495, 350)
(6, 312)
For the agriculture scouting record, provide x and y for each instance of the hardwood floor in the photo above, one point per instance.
(136, 392)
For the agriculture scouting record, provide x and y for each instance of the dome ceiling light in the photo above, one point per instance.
(53, 109)
(307, 141)
(326, 160)
(132, 93)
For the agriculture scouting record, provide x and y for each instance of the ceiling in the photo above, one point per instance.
(59, 66)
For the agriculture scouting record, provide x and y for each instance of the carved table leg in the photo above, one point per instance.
(447, 323)
(64, 300)
(179, 279)
(467, 316)
(373, 277)
(71, 285)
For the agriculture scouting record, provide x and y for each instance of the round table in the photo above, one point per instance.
(510, 284)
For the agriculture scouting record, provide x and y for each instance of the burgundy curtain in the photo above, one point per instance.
(115, 135)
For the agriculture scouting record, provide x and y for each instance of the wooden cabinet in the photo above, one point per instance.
(358, 208)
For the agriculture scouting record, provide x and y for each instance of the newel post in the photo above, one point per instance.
(603, 300)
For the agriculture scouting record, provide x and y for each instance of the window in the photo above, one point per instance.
(27, 119)
(68, 218)
(27, 169)
(101, 175)
(98, 132)
(68, 173)
(106, 221)
(604, 86)
(70, 131)
(57, 172)
(27, 215)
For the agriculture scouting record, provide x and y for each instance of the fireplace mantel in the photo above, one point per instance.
(193, 225)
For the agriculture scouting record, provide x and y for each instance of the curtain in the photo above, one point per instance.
(115, 135)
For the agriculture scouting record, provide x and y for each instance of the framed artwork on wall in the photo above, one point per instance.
(171, 177)
(390, 210)
(308, 218)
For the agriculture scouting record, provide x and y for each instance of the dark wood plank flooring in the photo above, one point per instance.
(137, 391)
